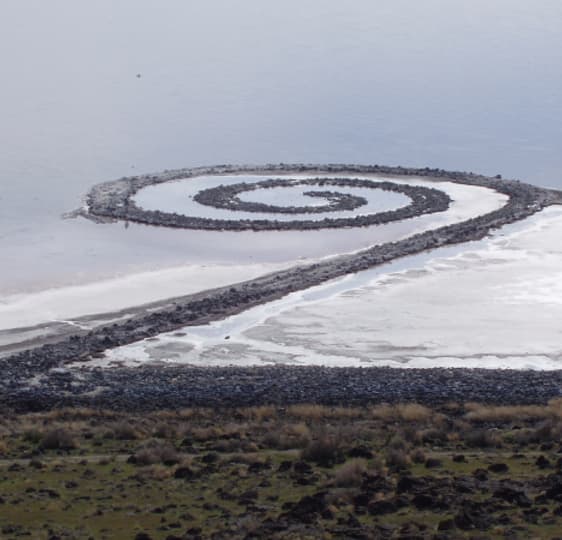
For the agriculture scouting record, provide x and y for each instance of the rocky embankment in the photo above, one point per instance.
(39, 378)
(35, 387)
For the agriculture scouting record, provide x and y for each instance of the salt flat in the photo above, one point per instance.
(104, 296)
(496, 303)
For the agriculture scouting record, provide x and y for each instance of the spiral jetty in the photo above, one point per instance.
(152, 386)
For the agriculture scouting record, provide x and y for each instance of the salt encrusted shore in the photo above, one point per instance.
(39, 378)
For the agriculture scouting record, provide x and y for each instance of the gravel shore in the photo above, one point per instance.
(164, 387)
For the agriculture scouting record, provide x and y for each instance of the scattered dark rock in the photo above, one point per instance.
(184, 473)
(446, 525)
(381, 507)
(543, 463)
(360, 452)
(433, 463)
(555, 489)
(498, 468)
(423, 501)
(513, 495)
(285, 466)
(211, 457)
(307, 509)
(51, 493)
(143, 536)
(472, 516)
(480, 474)
(257, 467)
(249, 496)
(408, 483)
(302, 467)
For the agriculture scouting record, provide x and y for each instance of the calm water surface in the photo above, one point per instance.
(98, 90)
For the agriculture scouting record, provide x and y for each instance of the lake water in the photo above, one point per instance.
(93, 91)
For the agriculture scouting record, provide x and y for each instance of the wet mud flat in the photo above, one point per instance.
(40, 377)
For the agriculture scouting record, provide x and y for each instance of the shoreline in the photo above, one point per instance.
(48, 361)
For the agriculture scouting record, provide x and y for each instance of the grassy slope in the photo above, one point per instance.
(305, 471)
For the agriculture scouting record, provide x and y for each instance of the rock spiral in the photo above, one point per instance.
(116, 200)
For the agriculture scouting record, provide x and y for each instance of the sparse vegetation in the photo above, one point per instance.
(325, 451)
(452, 471)
(58, 439)
(350, 473)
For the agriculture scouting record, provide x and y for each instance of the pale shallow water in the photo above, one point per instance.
(495, 303)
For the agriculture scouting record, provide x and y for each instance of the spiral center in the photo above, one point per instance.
(280, 196)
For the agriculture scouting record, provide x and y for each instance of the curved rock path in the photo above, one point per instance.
(116, 201)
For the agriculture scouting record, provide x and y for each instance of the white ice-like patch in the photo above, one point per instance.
(496, 303)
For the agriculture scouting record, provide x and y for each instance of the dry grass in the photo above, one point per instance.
(507, 413)
(156, 452)
(318, 412)
(396, 442)
(123, 431)
(482, 438)
(418, 456)
(155, 472)
(413, 412)
(477, 412)
(397, 459)
(384, 412)
(58, 439)
(165, 431)
(548, 431)
(205, 433)
(32, 435)
(251, 458)
(345, 412)
(435, 435)
(308, 412)
(68, 414)
(326, 451)
(258, 414)
(350, 474)
(407, 412)
(285, 437)
(214, 432)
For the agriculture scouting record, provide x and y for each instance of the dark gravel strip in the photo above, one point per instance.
(153, 387)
